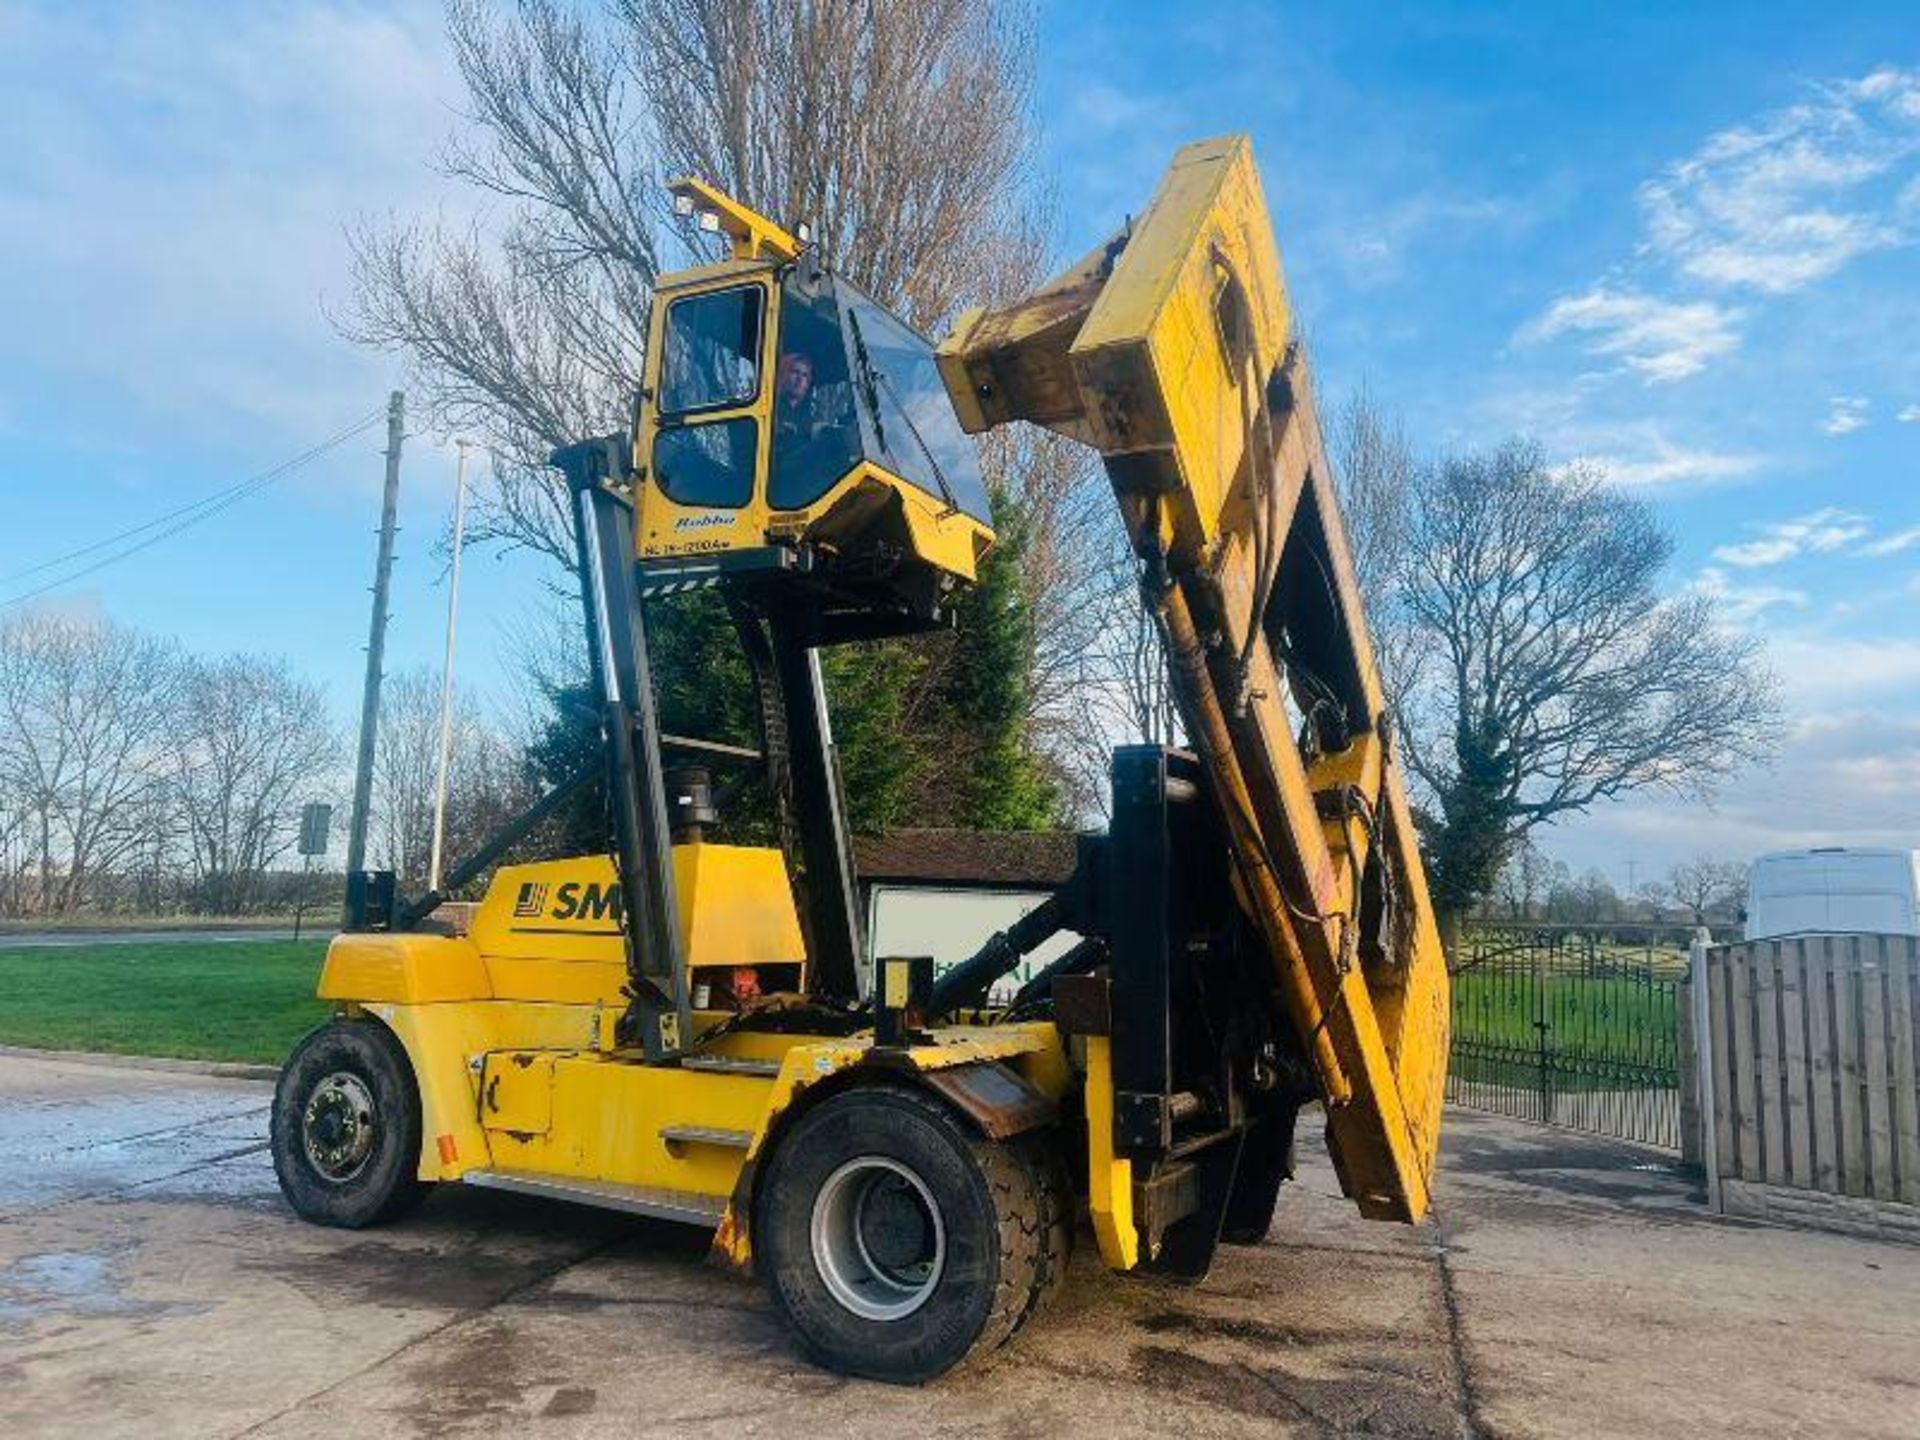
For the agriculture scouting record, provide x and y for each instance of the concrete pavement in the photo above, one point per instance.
(152, 1283)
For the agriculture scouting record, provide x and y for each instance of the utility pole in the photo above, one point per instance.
(376, 641)
(446, 668)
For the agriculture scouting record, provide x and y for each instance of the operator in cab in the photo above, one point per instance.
(816, 434)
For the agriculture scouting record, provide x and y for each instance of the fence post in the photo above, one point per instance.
(1701, 986)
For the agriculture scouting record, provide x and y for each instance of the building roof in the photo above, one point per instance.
(1006, 859)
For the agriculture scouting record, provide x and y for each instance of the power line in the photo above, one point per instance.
(232, 492)
(163, 527)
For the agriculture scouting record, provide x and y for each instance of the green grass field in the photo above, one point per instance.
(1604, 1033)
(250, 1000)
(1593, 1013)
(235, 1000)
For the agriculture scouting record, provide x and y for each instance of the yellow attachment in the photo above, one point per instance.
(751, 235)
(1154, 348)
(1109, 1178)
(1168, 350)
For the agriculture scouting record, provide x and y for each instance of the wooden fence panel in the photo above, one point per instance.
(1845, 950)
(1725, 1090)
(1903, 977)
(1793, 1030)
(1873, 1029)
(1768, 1067)
(1814, 1056)
(1746, 1118)
(1823, 1113)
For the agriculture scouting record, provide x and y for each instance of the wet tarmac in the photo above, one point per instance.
(152, 1283)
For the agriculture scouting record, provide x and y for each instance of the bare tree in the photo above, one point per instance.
(85, 711)
(1116, 688)
(1374, 469)
(1547, 670)
(527, 334)
(1703, 887)
(1588, 899)
(16, 851)
(253, 740)
(404, 766)
(487, 782)
(1526, 879)
(898, 131)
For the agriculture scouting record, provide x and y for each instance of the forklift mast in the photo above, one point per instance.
(793, 447)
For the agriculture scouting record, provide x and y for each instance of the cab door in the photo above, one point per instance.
(702, 443)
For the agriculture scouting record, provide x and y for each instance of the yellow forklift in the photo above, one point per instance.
(682, 1028)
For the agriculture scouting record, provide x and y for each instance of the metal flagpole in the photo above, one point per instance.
(446, 667)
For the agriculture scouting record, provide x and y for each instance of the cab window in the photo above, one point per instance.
(706, 464)
(712, 351)
(816, 432)
(915, 431)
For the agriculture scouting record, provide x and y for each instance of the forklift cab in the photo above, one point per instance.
(790, 422)
(793, 446)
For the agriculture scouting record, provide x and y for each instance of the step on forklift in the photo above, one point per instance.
(685, 1029)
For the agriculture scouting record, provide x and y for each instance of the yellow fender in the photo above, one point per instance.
(1005, 1080)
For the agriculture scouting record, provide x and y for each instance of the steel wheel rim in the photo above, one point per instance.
(860, 1230)
(338, 1127)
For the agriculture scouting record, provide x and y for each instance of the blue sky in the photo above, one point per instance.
(1678, 241)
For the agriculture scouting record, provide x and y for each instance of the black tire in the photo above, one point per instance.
(939, 1189)
(346, 1127)
(1053, 1192)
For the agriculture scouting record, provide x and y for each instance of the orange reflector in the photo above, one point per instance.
(448, 1151)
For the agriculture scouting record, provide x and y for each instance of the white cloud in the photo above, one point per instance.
(1893, 544)
(1104, 107)
(1796, 195)
(1908, 414)
(1848, 414)
(1740, 603)
(1635, 454)
(1847, 774)
(1770, 206)
(1660, 340)
(1819, 532)
(203, 314)
(1667, 464)
(1828, 669)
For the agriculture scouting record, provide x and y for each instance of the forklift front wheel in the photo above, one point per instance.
(346, 1126)
(897, 1242)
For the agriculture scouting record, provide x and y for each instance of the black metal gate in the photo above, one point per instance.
(1569, 1028)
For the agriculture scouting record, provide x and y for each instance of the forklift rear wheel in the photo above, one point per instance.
(896, 1242)
(346, 1126)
